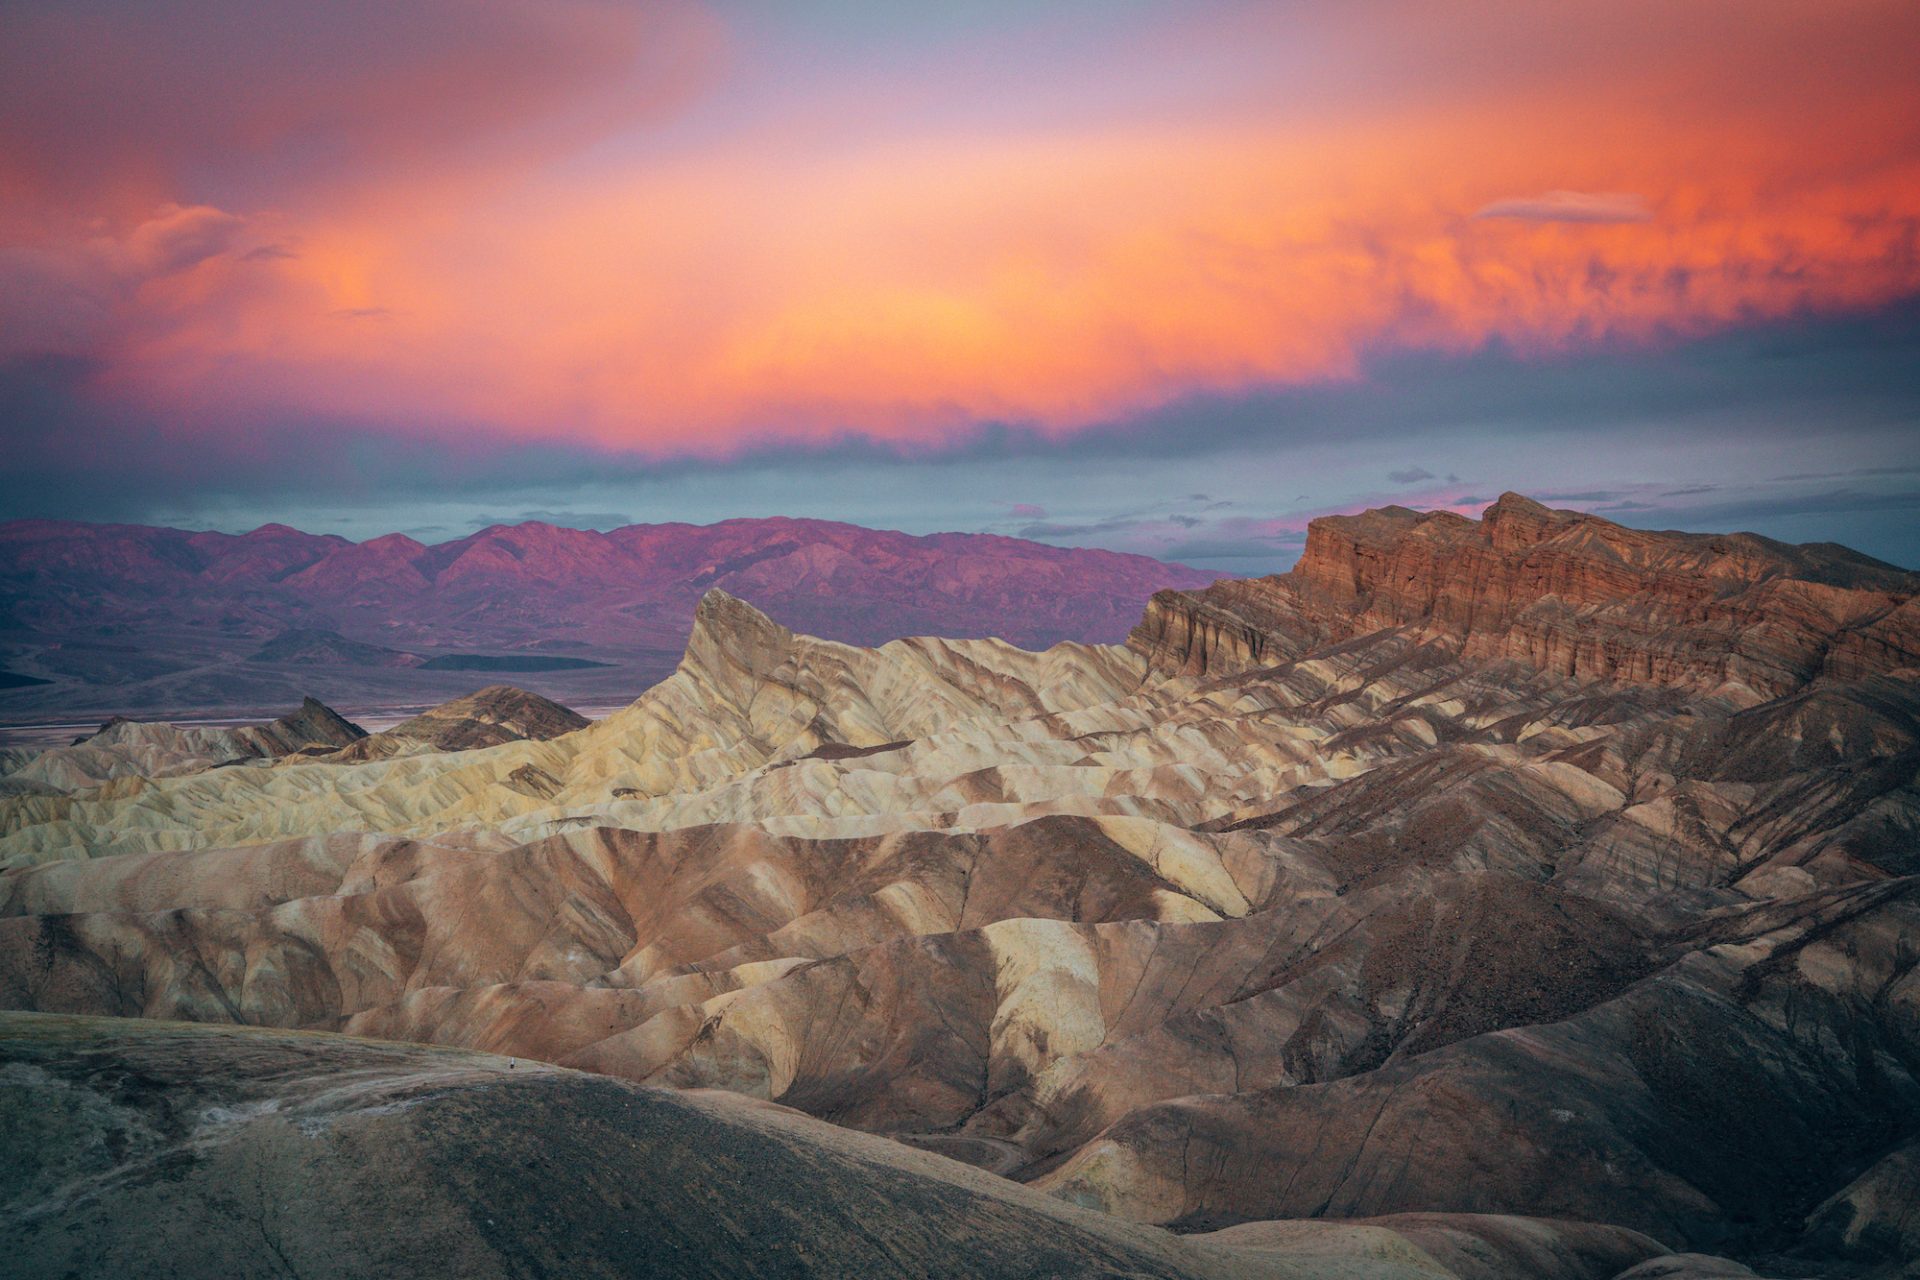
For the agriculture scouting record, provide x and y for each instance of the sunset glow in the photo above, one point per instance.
(682, 230)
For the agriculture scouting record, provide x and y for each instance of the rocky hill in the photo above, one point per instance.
(496, 714)
(317, 646)
(124, 748)
(1547, 895)
(1562, 591)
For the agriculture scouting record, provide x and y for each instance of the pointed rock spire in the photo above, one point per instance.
(732, 640)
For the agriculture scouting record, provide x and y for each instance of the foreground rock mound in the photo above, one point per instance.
(141, 1149)
(1284, 943)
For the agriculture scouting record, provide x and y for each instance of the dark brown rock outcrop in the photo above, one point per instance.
(493, 715)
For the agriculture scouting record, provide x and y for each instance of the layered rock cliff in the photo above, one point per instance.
(1563, 591)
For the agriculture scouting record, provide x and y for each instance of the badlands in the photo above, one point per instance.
(1529, 896)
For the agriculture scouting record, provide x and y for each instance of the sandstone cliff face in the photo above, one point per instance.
(1562, 591)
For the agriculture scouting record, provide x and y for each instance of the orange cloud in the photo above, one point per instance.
(1626, 176)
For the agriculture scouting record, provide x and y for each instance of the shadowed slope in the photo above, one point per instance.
(142, 1148)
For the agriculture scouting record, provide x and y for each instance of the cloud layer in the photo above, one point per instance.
(1801, 430)
(580, 222)
(445, 244)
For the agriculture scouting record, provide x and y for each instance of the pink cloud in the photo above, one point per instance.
(478, 220)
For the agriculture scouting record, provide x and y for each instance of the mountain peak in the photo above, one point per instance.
(1517, 521)
(314, 723)
(731, 640)
(397, 542)
(1511, 503)
(719, 608)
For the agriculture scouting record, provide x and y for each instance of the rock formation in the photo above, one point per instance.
(1582, 890)
(317, 646)
(496, 714)
(1563, 592)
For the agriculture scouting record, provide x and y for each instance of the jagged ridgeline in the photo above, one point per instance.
(1544, 880)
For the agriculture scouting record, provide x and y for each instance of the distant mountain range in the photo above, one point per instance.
(130, 618)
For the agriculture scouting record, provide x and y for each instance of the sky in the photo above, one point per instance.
(1164, 277)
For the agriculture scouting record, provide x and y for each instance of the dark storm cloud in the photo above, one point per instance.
(1857, 473)
(1199, 550)
(1113, 524)
(1262, 550)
